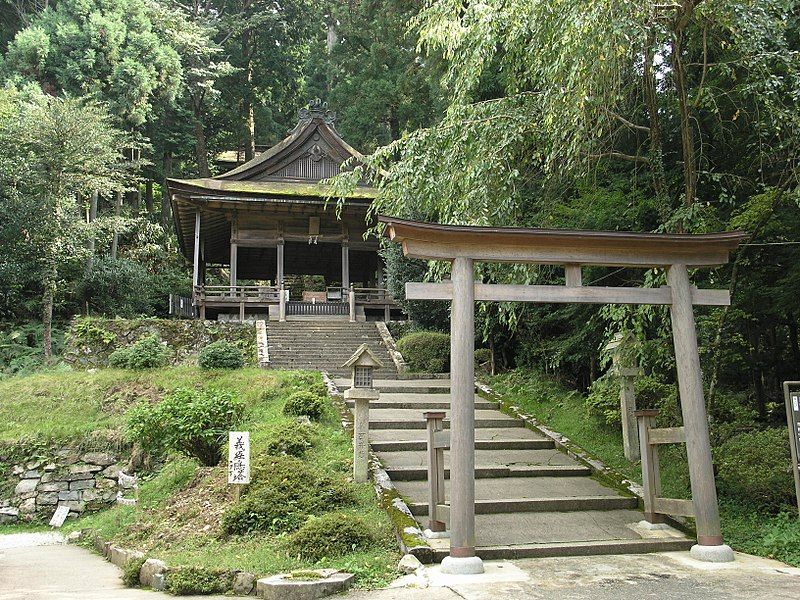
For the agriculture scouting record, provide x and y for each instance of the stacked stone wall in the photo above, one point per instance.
(90, 341)
(82, 482)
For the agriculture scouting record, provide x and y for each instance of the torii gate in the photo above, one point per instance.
(465, 245)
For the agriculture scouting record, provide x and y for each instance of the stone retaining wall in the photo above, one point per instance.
(90, 341)
(83, 482)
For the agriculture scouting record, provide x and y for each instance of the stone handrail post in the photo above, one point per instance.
(281, 303)
(351, 294)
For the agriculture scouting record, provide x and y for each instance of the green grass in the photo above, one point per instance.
(180, 505)
(744, 528)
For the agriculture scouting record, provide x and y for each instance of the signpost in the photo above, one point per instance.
(239, 459)
(793, 417)
(59, 516)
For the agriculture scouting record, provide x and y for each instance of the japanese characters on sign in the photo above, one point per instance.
(239, 457)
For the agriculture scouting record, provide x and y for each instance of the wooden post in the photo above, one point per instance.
(462, 559)
(281, 303)
(234, 256)
(651, 479)
(387, 313)
(196, 269)
(280, 252)
(627, 401)
(345, 264)
(91, 218)
(695, 423)
(241, 311)
(433, 422)
(351, 297)
(573, 275)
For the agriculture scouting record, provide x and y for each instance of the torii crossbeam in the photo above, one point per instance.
(465, 245)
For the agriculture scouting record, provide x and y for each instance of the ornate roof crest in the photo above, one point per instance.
(316, 109)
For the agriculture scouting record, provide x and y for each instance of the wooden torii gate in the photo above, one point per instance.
(465, 245)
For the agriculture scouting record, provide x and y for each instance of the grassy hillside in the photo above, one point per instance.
(178, 517)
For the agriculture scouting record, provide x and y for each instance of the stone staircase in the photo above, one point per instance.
(531, 499)
(324, 345)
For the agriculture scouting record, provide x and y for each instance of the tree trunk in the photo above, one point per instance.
(201, 150)
(249, 110)
(136, 201)
(148, 196)
(656, 149)
(90, 219)
(117, 213)
(165, 201)
(687, 133)
(49, 280)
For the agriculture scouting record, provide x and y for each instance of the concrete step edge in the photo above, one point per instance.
(421, 473)
(524, 505)
(400, 446)
(588, 548)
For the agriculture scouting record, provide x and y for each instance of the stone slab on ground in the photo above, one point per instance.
(280, 587)
(672, 575)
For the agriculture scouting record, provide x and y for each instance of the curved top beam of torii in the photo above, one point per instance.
(432, 241)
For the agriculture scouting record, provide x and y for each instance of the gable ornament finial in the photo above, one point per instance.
(317, 109)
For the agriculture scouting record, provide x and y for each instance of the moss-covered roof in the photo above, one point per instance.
(269, 188)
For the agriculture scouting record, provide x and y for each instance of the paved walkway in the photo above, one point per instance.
(38, 567)
(669, 575)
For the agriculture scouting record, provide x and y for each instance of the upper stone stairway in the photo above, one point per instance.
(324, 345)
(531, 499)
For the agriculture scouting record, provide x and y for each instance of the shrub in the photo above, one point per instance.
(291, 439)
(483, 358)
(147, 353)
(120, 358)
(221, 355)
(304, 403)
(130, 573)
(603, 399)
(192, 422)
(283, 493)
(427, 351)
(332, 534)
(754, 468)
(186, 581)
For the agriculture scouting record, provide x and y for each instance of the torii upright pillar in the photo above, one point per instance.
(462, 558)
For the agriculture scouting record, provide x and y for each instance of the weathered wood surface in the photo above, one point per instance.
(565, 294)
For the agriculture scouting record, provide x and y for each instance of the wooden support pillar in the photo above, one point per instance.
(345, 264)
(196, 269)
(651, 478)
(234, 257)
(434, 420)
(281, 303)
(280, 253)
(695, 423)
(462, 559)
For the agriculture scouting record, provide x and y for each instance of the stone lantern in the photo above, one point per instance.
(362, 365)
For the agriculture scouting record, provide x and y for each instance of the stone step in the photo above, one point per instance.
(577, 548)
(421, 473)
(515, 487)
(495, 434)
(421, 405)
(413, 414)
(420, 424)
(565, 504)
(483, 458)
(542, 444)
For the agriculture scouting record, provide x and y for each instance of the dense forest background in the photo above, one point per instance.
(610, 114)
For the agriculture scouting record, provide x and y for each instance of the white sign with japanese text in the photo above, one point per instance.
(239, 457)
